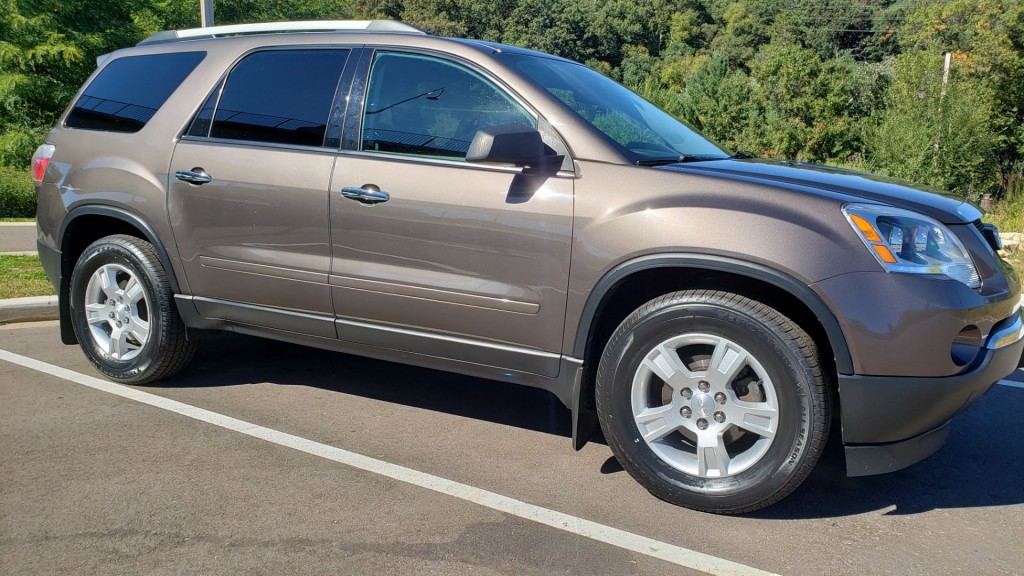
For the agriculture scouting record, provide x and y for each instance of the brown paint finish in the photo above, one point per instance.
(266, 207)
(501, 271)
(463, 250)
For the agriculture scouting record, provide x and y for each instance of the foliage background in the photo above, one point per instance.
(856, 83)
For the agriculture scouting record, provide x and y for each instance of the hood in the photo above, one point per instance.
(857, 186)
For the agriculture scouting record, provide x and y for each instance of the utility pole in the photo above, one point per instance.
(942, 96)
(945, 75)
(205, 13)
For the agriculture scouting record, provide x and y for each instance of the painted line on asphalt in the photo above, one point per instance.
(559, 520)
(1012, 384)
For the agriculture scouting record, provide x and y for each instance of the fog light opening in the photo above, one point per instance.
(966, 346)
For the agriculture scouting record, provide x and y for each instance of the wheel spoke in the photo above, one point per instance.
(97, 313)
(726, 362)
(658, 422)
(140, 330)
(117, 342)
(712, 457)
(133, 291)
(107, 277)
(759, 418)
(665, 364)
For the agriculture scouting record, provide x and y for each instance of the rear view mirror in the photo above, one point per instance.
(516, 144)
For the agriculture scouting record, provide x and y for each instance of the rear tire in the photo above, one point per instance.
(123, 312)
(713, 401)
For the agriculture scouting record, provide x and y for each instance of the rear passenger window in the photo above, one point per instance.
(129, 91)
(278, 96)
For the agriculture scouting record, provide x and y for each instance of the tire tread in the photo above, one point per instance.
(799, 341)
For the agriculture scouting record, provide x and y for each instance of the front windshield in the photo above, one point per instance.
(640, 129)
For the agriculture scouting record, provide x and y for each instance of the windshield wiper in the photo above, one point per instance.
(679, 160)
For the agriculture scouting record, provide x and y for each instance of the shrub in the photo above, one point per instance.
(17, 194)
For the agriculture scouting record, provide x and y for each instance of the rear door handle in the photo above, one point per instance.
(368, 194)
(195, 176)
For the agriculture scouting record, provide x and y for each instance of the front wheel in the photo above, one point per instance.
(713, 401)
(123, 312)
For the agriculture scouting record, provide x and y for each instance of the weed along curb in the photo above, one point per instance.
(31, 309)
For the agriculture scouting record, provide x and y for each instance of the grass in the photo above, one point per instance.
(5, 220)
(22, 276)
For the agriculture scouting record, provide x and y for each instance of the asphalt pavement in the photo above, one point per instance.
(266, 458)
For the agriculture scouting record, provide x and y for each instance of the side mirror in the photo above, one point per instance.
(515, 144)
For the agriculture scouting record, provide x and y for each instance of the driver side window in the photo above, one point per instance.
(424, 106)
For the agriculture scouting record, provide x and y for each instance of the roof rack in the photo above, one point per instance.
(271, 27)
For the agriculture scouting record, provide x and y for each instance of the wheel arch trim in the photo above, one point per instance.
(129, 218)
(781, 280)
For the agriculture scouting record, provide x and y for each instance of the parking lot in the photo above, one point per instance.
(266, 458)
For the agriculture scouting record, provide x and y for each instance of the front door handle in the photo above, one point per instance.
(368, 194)
(195, 176)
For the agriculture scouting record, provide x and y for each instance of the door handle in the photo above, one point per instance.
(195, 176)
(368, 194)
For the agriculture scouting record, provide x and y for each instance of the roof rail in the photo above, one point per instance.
(270, 27)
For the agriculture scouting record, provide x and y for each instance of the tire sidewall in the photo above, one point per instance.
(100, 254)
(792, 388)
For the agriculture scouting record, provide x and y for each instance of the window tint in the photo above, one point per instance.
(424, 106)
(642, 130)
(129, 91)
(281, 96)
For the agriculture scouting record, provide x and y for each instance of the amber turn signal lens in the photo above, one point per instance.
(884, 253)
(867, 229)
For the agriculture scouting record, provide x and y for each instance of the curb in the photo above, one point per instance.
(31, 309)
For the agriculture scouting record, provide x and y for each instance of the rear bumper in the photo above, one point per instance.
(890, 423)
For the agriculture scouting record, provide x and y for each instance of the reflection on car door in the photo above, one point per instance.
(460, 261)
(257, 233)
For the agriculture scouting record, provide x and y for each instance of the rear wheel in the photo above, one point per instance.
(713, 401)
(123, 312)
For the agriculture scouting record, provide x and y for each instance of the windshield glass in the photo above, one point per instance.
(640, 129)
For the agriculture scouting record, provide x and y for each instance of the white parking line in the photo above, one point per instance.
(1012, 384)
(559, 520)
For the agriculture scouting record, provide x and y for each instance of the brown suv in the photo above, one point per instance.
(493, 211)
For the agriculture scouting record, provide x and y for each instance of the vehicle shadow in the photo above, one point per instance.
(234, 360)
(978, 466)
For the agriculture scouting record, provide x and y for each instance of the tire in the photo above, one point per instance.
(713, 401)
(123, 312)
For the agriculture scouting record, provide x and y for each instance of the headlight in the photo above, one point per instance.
(905, 241)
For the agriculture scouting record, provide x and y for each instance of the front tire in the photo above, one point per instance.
(123, 312)
(713, 401)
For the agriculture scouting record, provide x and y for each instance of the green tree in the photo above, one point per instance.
(935, 135)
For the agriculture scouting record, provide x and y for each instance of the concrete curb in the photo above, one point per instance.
(31, 309)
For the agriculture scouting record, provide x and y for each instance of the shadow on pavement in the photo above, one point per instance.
(980, 464)
(235, 360)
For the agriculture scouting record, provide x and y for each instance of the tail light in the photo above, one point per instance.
(40, 160)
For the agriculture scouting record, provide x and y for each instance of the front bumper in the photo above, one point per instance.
(890, 423)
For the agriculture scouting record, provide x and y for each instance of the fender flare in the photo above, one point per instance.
(67, 332)
(783, 281)
(584, 419)
(129, 218)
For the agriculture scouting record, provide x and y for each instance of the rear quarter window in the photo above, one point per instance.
(126, 94)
